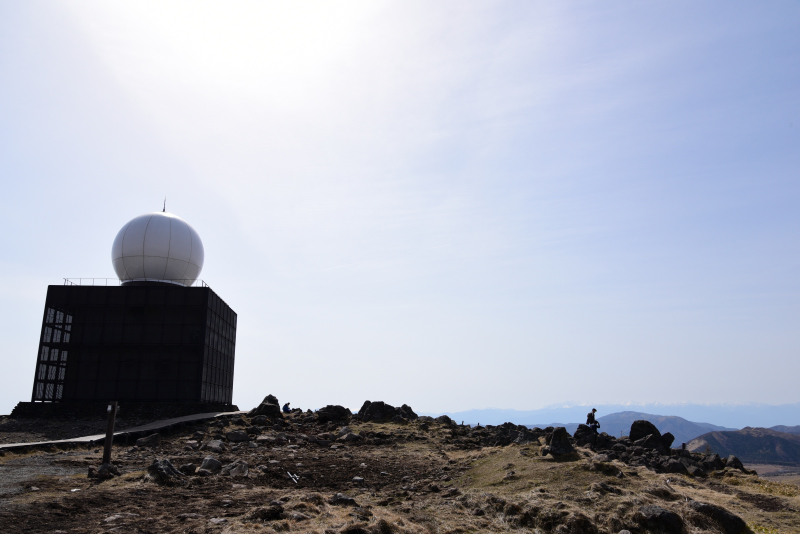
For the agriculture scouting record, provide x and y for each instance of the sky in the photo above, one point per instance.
(454, 205)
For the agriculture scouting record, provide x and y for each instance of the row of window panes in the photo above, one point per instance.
(51, 372)
(52, 355)
(48, 391)
(56, 335)
(57, 316)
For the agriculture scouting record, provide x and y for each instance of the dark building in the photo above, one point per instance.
(138, 342)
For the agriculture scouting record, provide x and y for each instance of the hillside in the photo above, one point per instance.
(617, 424)
(752, 445)
(385, 470)
(786, 429)
(683, 430)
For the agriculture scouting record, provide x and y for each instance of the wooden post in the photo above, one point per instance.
(112, 417)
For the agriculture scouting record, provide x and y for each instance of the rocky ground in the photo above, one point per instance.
(385, 470)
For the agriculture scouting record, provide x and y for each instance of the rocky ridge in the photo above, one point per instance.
(384, 469)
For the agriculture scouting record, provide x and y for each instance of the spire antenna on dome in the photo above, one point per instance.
(165, 206)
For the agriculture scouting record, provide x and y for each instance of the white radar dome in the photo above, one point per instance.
(158, 247)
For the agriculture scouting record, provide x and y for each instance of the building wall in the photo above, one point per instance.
(145, 343)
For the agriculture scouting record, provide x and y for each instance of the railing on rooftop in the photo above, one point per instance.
(185, 282)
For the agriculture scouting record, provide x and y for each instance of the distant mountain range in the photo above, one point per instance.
(619, 424)
(752, 445)
(723, 415)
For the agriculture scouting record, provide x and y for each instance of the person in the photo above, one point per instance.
(591, 421)
(286, 408)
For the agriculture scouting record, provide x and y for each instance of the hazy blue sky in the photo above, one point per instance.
(449, 204)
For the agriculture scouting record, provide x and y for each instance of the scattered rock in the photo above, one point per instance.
(445, 420)
(117, 517)
(188, 469)
(334, 413)
(729, 523)
(237, 436)
(215, 445)
(560, 444)
(734, 463)
(340, 499)
(659, 519)
(238, 468)
(211, 464)
(666, 440)
(107, 471)
(695, 471)
(272, 512)
(163, 472)
(260, 420)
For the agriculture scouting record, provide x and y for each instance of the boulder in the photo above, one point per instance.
(559, 444)
(269, 407)
(641, 429)
(238, 468)
(163, 472)
(215, 445)
(695, 471)
(334, 413)
(651, 442)
(728, 522)
(211, 464)
(188, 469)
(666, 440)
(266, 513)
(340, 499)
(380, 411)
(106, 471)
(445, 420)
(271, 399)
(734, 463)
(584, 436)
(237, 436)
(655, 518)
(674, 466)
(713, 462)
(153, 440)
